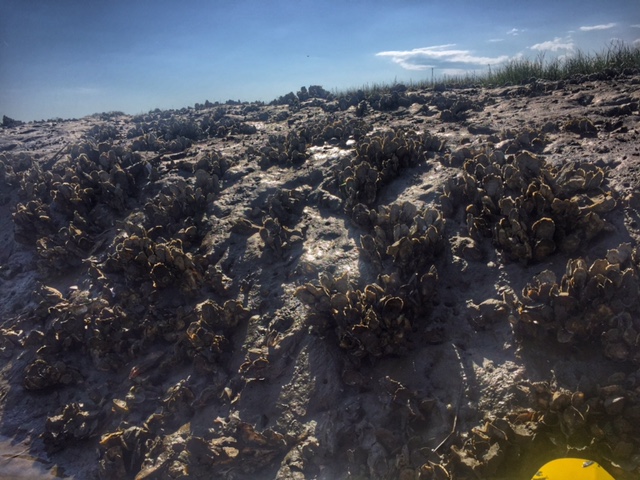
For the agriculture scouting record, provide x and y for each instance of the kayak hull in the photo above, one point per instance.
(571, 469)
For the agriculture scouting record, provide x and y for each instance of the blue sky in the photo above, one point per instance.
(70, 58)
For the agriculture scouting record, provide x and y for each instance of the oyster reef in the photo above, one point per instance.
(418, 283)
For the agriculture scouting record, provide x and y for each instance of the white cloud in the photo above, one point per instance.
(495, 40)
(605, 26)
(637, 25)
(555, 45)
(422, 58)
(514, 31)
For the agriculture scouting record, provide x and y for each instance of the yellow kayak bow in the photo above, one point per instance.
(572, 469)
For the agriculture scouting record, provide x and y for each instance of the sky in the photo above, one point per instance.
(71, 58)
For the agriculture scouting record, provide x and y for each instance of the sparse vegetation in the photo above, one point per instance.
(614, 60)
(617, 58)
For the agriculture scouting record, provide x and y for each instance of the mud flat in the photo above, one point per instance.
(416, 284)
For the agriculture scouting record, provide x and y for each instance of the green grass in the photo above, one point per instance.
(613, 60)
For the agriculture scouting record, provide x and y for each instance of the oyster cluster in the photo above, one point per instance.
(384, 317)
(379, 159)
(292, 149)
(41, 375)
(495, 441)
(176, 131)
(380, 320)
(278, 230)
(103, 132)
(529, 139)
(83, 325)
(73, 423)
(123, 451)
(597, 301)
(412, 238)
(601, 422)
(597, 420)
(66, 207)
(453, 108)
(303, 95)
(103, 209)
(287, 205)
(112, 337)
(142, 260)
(208, 335)
(279, 238)
(381, 100)
(314, 91)
(7, 174)
(582, 126)
(601, 419)
(529, 208)
(147, 142)
(170, 213)
(337, 131)
(233, 445)
(284, 150)
(181, 200)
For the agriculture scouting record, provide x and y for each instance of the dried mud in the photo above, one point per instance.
(424, 284)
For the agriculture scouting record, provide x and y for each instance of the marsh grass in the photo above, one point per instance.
(614, 60)
(617, 58)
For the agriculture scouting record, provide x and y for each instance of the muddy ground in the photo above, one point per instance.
(435, 283)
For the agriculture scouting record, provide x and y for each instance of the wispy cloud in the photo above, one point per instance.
(495, 40)
(423, 58)
(604, 26)
(636, 25)
(514, 31)
(555, 45)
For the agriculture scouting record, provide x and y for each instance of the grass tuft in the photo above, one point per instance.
(619, 57)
